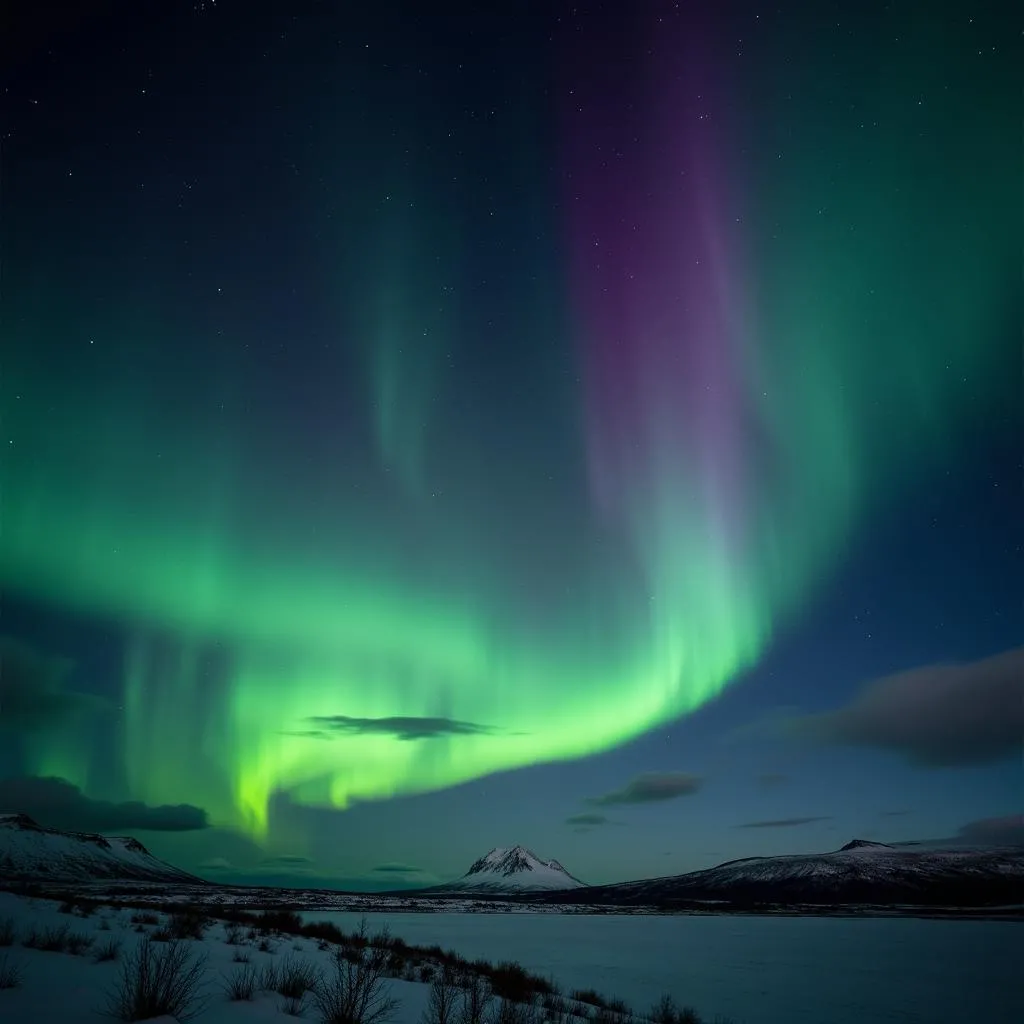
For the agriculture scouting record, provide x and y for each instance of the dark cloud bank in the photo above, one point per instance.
(34, 694)
(936, 716)
(784, 822)
(586, 819)
(404, 728)
(650, 788)
(58, 804)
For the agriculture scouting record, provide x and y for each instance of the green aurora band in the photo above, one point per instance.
(304, 564)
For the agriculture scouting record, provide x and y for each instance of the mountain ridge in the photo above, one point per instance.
(30, 852)
(861, 872)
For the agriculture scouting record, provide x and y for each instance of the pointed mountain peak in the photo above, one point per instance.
(507, 861)
(514, 869)
(16, 819)
(864, 844)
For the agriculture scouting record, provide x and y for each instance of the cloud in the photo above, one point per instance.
(893, 814)
(292, 872)
(59, 804)
(783, 822)
(651, 787)
(33, 691)
(936, 716)
(1004, 831)
(293, 868)
(216, 864)
(586, 819)
(1007, 831)
(401, 727)
(286, 860)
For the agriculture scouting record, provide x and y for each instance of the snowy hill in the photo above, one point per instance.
(512, 870)
(861, 872)
(31, 853)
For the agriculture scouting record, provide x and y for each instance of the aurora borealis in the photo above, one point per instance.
(422, 409)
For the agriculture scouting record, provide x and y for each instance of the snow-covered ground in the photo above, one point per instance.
(755, 969)
(59, 988)
(750, 970)
(76, 976)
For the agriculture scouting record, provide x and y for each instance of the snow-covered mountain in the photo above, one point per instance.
(512, 870)
(861, 872)
(29, 852)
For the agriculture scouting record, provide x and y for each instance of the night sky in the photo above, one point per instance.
(593, 426)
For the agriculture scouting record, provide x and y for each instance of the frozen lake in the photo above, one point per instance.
(755, 970)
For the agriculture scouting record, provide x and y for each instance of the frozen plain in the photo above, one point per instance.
(754, 969)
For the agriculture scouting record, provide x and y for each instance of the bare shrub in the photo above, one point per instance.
(285, 922)
(241, 957)
(664, 1011)
(688, 1015)
(361, 936)
(77, 943)
(189, 923)
(50, 940)
(619, 1008)
(8, 933)
(233, 933)
(268, 980)
(557, 1010)
(589, 996)
(325, 932)
(294, 1006)
(109, 950)
(473, 1000)
(396, 963)
(356, 991)
(241, 986)
(511, 981)
(443, 1001)
(295, 978)
(508, 1011)
(158, 982)
(10, 973)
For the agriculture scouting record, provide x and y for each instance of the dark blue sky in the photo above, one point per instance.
(390, 478)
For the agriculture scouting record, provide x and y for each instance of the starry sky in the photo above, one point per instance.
(591, 426)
